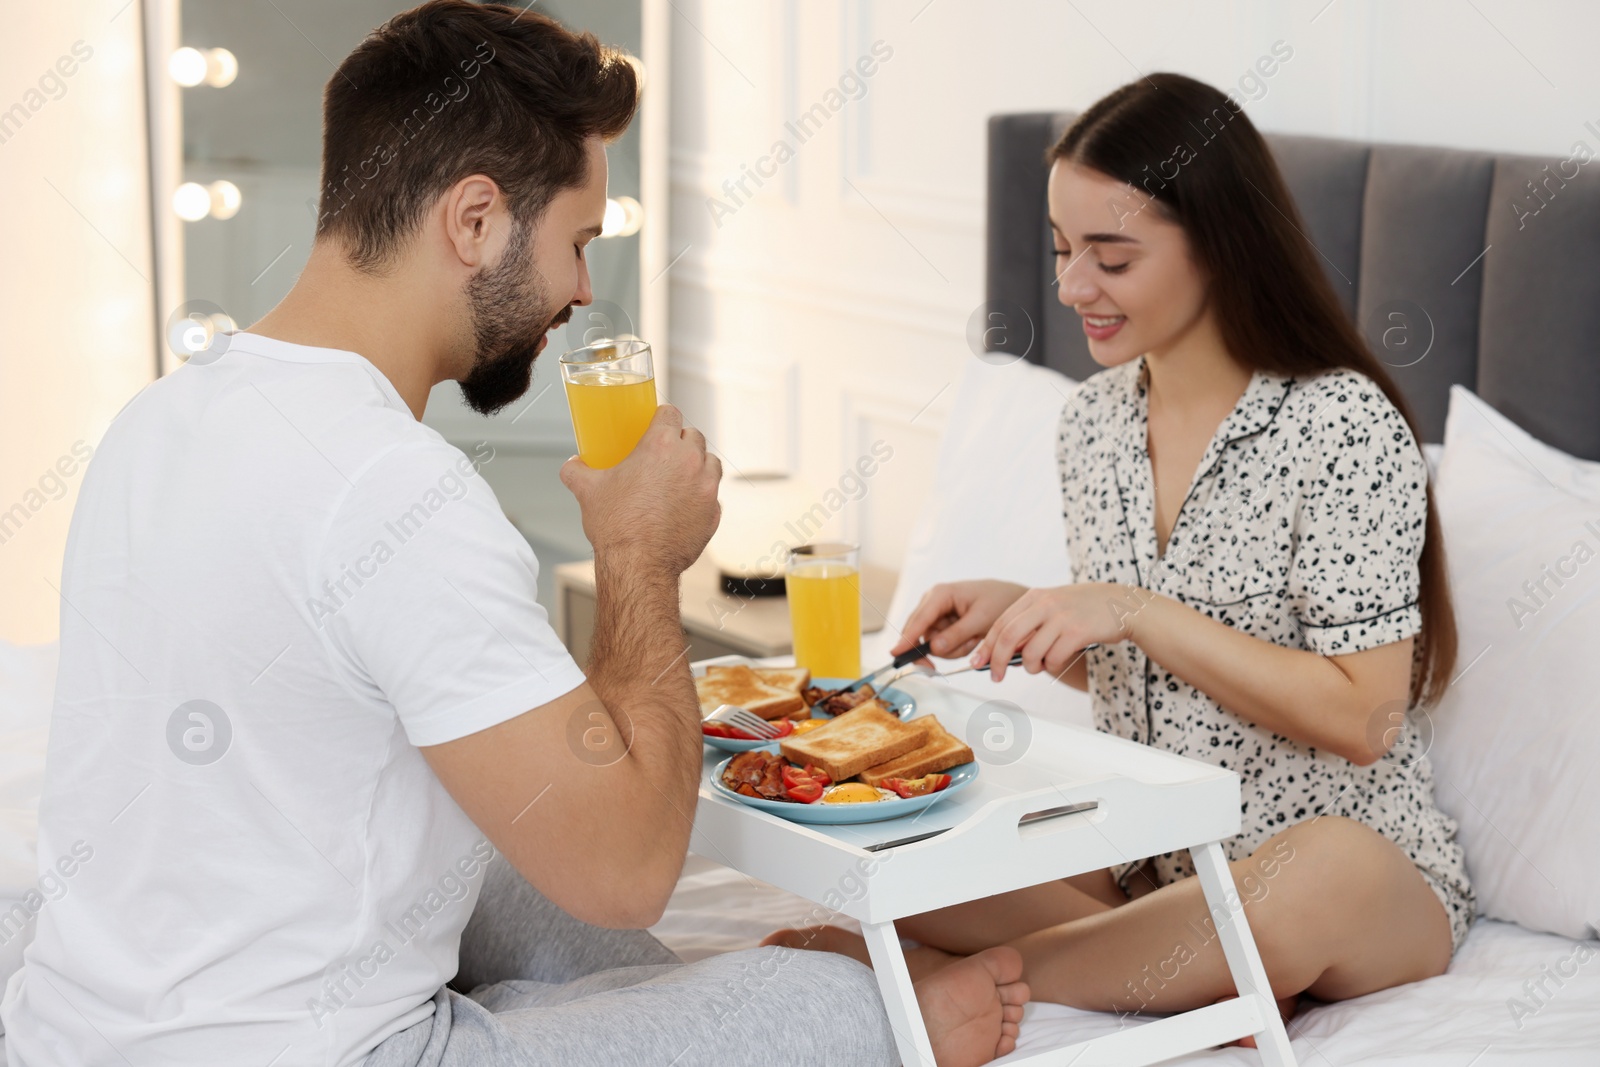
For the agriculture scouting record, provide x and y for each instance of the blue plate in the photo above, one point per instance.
(898, 701)
(839, 814)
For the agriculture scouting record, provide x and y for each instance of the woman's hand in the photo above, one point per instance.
(954, 616)
(1051, 627)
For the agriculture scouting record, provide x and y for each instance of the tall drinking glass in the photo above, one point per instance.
(611, 389)
(823, 582)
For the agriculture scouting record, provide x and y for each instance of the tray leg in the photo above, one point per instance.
(899, 998)
(1244, 960)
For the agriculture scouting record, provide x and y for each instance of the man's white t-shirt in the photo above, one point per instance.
(278, 584)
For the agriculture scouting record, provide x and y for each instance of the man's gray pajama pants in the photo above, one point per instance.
(537, 987)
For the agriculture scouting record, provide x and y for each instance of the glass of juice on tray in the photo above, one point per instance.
(823, 583)
(611, 389)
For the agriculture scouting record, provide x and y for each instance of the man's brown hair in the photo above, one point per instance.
(451, 89)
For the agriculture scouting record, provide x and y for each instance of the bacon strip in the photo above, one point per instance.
(756, 774)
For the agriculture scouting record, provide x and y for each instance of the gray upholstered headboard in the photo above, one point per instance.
(1402, 230)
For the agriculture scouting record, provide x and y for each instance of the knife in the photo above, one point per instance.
(910, 655)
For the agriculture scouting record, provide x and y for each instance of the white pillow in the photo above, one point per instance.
(1517, 736)
(1431, 453)
(995, 511)
(27, 688)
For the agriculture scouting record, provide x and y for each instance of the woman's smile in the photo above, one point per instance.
(1102, 327)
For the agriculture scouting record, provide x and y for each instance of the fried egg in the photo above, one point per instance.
(853, 793)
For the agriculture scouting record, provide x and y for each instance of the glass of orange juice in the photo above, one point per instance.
(611, 389)
(823, 583)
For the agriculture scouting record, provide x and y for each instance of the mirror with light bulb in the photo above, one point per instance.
(248, 113)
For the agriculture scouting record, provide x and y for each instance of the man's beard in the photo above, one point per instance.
(509, 316)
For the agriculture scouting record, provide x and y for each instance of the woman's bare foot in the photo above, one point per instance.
(1287, 1007)
(921, 961)
(971, 1005)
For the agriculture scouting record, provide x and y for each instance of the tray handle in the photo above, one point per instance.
(1046, 814)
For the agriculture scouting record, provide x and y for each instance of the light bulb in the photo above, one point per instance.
(221, 67)
(187, 67)
(624, 215)
(225, 199)
(192, 201)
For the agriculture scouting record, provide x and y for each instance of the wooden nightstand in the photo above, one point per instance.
(715, 623)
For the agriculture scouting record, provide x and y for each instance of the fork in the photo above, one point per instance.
(1016, 661)
(740, 719)
(927, 672)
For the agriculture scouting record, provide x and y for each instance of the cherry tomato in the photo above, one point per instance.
(796, 776)
(819, 775)
(785, 727)
(804, 784)
(917, 787)
(801, 788)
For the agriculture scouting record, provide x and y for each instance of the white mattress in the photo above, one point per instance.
(1460, 1019)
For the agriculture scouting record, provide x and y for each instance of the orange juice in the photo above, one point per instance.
(825, 610)
(610, 412)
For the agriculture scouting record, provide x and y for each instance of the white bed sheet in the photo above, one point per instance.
(1461, 1019)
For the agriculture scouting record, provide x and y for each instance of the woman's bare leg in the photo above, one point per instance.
(949, 934)
(1336, 909)
(963, 929)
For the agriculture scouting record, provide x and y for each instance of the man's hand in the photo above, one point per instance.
(657, 506)
(955, 616)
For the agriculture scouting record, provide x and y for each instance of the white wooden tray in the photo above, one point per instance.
(1148, 802)
(1017, 825)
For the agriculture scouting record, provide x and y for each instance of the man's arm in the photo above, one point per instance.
(592, 796)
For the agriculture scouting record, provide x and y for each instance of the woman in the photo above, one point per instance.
(1259, 583)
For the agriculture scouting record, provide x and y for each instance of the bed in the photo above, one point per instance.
(1457, 1020)
(1488, 1009)
(1401, 229)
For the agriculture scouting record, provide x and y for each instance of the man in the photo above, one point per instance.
(310, 719)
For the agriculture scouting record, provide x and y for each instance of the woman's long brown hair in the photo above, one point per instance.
(1195, 152)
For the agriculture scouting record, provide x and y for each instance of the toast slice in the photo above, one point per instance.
(794, 679)
(741, 685)
(940, 751)
(862, 737)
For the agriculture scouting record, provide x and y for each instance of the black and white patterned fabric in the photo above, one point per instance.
(1303, 526)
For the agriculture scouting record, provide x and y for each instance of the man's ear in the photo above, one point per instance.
(474, 218)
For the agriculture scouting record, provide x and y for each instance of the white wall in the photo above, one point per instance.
(77, 336)
(828, 310)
